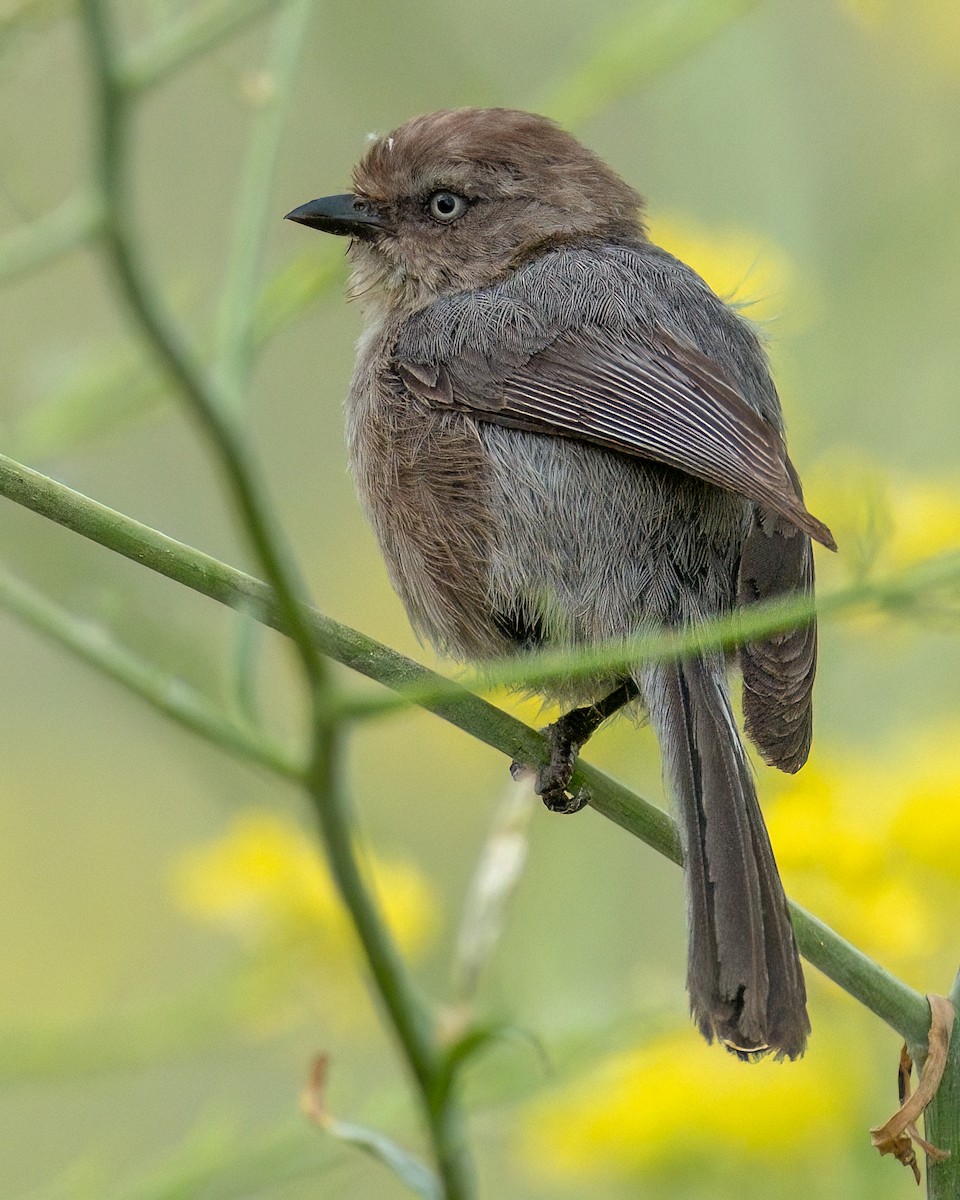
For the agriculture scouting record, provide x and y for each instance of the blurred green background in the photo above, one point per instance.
(172, 958)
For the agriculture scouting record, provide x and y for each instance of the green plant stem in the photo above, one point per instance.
(540, 670)
(640, 44)
(51, 236)
(174, 698)
(903, 1009)
(244, 697)
(183, 39)
(104, 391)
(941, 1120)
(213, 407)
(213, 402)
(406, 1011)
(241, 290)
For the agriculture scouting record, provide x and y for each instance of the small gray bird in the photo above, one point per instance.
(562, 436)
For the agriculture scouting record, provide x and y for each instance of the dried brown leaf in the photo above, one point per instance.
(898, 1135)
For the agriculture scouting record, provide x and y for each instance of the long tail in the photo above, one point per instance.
(743, 970)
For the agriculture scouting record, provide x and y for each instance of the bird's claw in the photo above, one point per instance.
(553, 778)
(564, 801)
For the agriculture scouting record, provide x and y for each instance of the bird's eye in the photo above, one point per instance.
(446, 206)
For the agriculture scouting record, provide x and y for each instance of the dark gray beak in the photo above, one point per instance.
(346, 215)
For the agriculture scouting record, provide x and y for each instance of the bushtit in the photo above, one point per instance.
(562, 436)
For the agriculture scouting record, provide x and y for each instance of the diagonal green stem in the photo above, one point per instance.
(181, 40)
(213, 401)
(902, 1008)
(174, 698)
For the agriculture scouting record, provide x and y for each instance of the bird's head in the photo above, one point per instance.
(455, 200)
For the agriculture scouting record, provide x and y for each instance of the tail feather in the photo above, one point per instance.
(743, 975)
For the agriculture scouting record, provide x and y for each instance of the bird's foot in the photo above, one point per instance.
(552, 783)
(567, 735)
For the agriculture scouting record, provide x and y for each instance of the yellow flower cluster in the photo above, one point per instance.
(883, 521)
(869, 844)
(838, 831)
(676, 1099)
(264, 881)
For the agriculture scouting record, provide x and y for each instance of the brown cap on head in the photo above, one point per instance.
(498, 153)
(455, 200)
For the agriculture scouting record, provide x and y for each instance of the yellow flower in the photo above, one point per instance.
(856, 841)
(264, 880)
(882, 522)
(926, 827)
(741, 267)
(676, 1097)
(925, 518)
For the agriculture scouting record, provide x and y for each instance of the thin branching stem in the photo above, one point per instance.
(241, 289)
(213, 401)
(903, 1009)
(172, 697)
(196, 31)
(49, 237)
(212, 405)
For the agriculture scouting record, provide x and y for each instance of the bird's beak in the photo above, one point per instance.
(346, 215)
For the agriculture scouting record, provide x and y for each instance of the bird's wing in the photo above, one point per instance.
(643, 394)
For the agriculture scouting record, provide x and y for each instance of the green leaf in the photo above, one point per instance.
(409, 1170)
(481, 1037)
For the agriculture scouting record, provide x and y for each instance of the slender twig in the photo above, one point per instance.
(172, 697)
(193, 34)
(903, 1009)
(241, 290)
(213, 403)
(244, 698)
(51, 236)
(409, 1015)
(236, 344)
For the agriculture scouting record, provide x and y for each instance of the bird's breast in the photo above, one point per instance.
(424, 480)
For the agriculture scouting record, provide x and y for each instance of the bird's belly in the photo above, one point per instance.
(594, 545)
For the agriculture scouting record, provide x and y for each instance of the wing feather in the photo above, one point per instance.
(645, 395)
